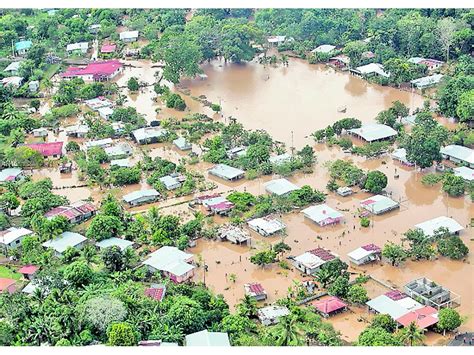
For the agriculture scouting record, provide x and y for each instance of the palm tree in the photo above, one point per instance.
(412, 335)
(247, 307)
(288, 332)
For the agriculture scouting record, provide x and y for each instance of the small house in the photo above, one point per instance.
(271, 315)
(28, 271)
(373, 132)
(369, 70)
(7, 285)
(47, 150)
(102, 143)
(33, 86)
(123, 163)
(266, 226)
(149, 135)
(227, 172)
(171, 182)
(323, 215)
(64, 241)
(379, 204)
(77, 130)
(40, 132)
(280, 187)
(400, 154)
(458, 154)
(464, 172)
(218, 205)
(324, 49)
(311, 261)
(182, 144)
(256, 291)
(172, 262)
(207, 338)
(114, 242)
(426, 81)
(13, 68)
(276, 40)
(11, 238)
(98, 102)
(156, 291)
(365, 254)
(119, 150)
(22, 47)
(384, 304)
(80, 47)
(95, 28)
(424, 317)
(431, 64)
(108, 48)
(233, 234)
(280, 159)
(329, 306)
(12, 81)
(76, 212)
(141, 197)
(344, 191)
(105, 112)
(129, 36)
(11, 174)
(341, 61)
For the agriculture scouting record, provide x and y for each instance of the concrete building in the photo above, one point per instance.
(233, 234)
(271, 315)
(280, 187)
(379, 204)
(266, 226)
(431, 294)
(365, 254)
(149, 135)
(182, 144)
(458, 154)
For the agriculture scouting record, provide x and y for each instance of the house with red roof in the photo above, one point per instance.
(329, 306)
(256, 291)
(7, 285)
(108, 48)
(47, 150)
(76, 212)
(28, 271)
(96, 71)
(423, 317)
(156, 291)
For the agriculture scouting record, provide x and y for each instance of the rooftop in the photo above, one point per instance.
(254, 289)
(278, 159)
(226, 172)
(272, 312)
(374, 131)
(135, 195)
(463, 171)
(77, 46)
(9, 174)
(206, 338)
(128, 34)
(147, 133)
(385, 305)
(6, 284)
(427, 81)
(423, 317)
(268, 224)
(431, 226)
(182, 143)
(459, 152)
(329, 305)
(101, 68)
(98, 143)
(65, 240)
(110, 242)
(373, 68)
(379, 204)
(280, 187)
(47, 149)
(13, 66)
(108, 48)
(320, 213)
(28, 269)
(170, 259)
(12, 234)
(23, 45)
(363, 252)
(324, 48)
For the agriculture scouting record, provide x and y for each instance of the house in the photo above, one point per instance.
(7, 285)
(76, 212)
(182, 144)
(233, 234)
(431, 226)
(149, 135)
(256, 291)
(271, 314)
(80, 47)
(77, 130)
(97, 103)
(52, 149)
(340, 61)
(431, 294)
(108, 48)
(344, 191)
(280, 187)
(123, 163)
(95, 28)
(156, 291)
(40, 132)
(384, 304)
(96, 71)
(11, 174)
(105, 112)
(227, 172)
(458, 154)
(276, 40)
(11, 238)
(324, 48)
(172, 262)
(28, 271)
(423, 317)
(379, 204)
(129, 36)
(236, 152)
(132, 52)
(463, 171)
(218, 205)
(368, 55)
(172, 182)
(311, 261)
(140, 197)
(426, 81)
(323, 215)
(365, 254)
(33, 86)
(400, 154)
(102, 143)
(114, 242)
(12, 68)
(329, 306)
(408, 120)
(280, 159)
(119, 150)
(267, 225)
(22, 47)
(64, 241)
(372, 69)
(207, 338)
(155, 343)
(432, 64)
(12, 81)
(118, 128)
(373, 132)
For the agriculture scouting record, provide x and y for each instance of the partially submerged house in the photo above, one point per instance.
(311, 261)
(344, 191)
(172, 181)
(276, 40)
(462, 171)
(236, 152)
(458, 154)
(341, 61)
(280, 187)
(424, 317)
(47, 150)
(324, 48)
(400, 154)
(64, 241)
(431, 64)
(172, 262)
(102, 143)
(426, 81)
(207, 338)
(233, 234)
(431, 294)
(256, 291)
(267, 226)
(227, 172)
(369, 70)
(11, 238)
(373, 132)
(129, 36)
(7, 285)
(379, 204)
(271, 314)
(323, 215)
(329, 306)
(119, 150)
(96, 71)
(431, 226)
(216, 204)
(114, 242)
(98, 102)
(149, 135)
(11, 174)
(365, 254)
(393, 303)
(76, 212)
(123, 163)
(182, 144)
(280, 159)
(141, 197)
(80, 47)
(77, 130)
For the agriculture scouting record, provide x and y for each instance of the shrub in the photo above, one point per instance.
(365, 222)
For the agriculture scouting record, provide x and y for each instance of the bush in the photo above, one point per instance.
(452, 247)
(357, 294)
(453, 185)
(431, 179)
(376, 181)
(216, 107)
(72, 147)
(133, 84)
(122, 334)
(365, 222)
(175, 101)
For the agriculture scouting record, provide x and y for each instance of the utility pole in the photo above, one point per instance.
(292, 144)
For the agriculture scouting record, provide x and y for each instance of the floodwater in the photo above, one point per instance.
(300, 98)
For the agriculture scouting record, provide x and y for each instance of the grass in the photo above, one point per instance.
(7, 273)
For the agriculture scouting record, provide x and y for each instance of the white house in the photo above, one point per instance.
(379, 204)
(280, 187)
(280, 159)
(105, 112)
(129, 36)
(182, 144)
(266, 226)
(140, 197)
(172, 262)
(11, 238)
(64, 241)
(226, 172)
(365, 254)
(80, 47)
(12, 68)
(271, 314)
(458, 154)
(431, 226)
(373, 132)
(464, 172)
(322, 215)
(207, 338)
(171, 182)
(371, 70)
(311, 261)
(324, 48)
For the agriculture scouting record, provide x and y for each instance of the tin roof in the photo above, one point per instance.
(374, 131)
(108, 48)
(463, 171)
(431, 226)
(423, 317)
(47, 149)
(65, 240)
(12, 234)
(6, 284)
(28, 269)
(320, 213)
(101, 68)
(206, 338)
(459, 152)
(280, 187)
(226, 172)
(110, 242)
(329, 305)
(9, 174)
(135, 195)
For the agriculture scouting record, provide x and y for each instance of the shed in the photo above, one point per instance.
(323, 215)
(256, 291)
(226, 172)
(114, 242)
(129, 36)
(103, 143)
(22, 47)
(280, 187)
(236, 152)
(207, 338)
(182, 144)
(379, 204)
(97, 103)
(464, 172)
(373, 132)
(365, 254)
(118, 151)
(13, 81)
(13, 68)
(123, 163)
(11, 238)
(271, 314)
(329, 306)
(77, 130)
(431, 226)
(266, 226)
(280, 159)
(344, 191)
(64, 241)
(28, 271)
(140, 197)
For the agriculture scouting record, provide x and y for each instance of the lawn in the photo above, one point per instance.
(8, 274)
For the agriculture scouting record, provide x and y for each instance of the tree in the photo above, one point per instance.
(357, 294)
(26, 157)
(113, 259)
(187, 314)
(395, 253)
(385, 322)
(452, 247)
(6, 334)
(448, 320)
(263, 258)
(216, 108)
(354, 50)
(235, 325)
(104, 227)
(451, 92)
(72, 146)
(247, 307)
(465, 107)
(420, 244)
(446, 29)
(376, 181)
(411, 335)
(339, 287)
(78, 273)
(453, 185)
(102, 311)
(288, 332)
(377, 337)
(330, 271)
(122, 334)
(132, 84)
(8, 202)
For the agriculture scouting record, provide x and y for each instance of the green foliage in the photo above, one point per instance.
(175, 101)
(340, 286)
(345, 171)
(465, 107)
(377, 337)
(385, 322)
(453, 185)
(132, 84)
(242, 200)
(216, 107)
(72, 147)
(394, 253)
(102, 311)
(263, 258)
(376, 181)
(78, 273)
(330, 271)
(104, 227)
(420, 244)
(125, 176)
(452, 247)
(448, 320)
(357, 294)
(122, 334)
(364, 222)
(431, 179)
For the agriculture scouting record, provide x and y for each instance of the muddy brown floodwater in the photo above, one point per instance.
(300, 98)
